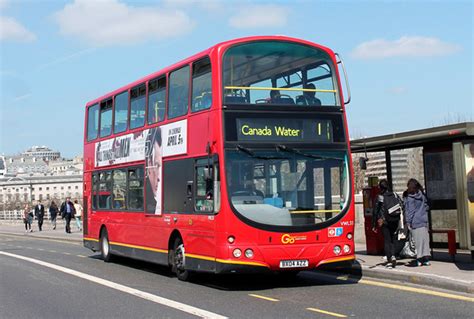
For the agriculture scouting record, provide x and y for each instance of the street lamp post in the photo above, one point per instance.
(31, 192)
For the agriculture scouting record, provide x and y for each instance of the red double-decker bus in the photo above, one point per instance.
(234, 160)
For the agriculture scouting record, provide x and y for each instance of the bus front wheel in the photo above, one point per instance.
(178, 260)
(105, 246)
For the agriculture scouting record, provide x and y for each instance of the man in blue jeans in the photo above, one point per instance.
(67, 212)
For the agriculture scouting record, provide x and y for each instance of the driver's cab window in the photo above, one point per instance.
(247, 183)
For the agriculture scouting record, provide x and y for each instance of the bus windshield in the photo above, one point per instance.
(279, 73)
(287, 187)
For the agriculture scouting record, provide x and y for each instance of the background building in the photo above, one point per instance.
(42, 152)
(406, 164)
(39, 173)
(16, 191)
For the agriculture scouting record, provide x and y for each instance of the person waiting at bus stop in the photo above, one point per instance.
(416, 208)
(67, 212)
(389, 223)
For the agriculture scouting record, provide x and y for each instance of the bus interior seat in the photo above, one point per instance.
(206, 100)
(203, 101)
(235, 99)
(274, 201)
(283, 100)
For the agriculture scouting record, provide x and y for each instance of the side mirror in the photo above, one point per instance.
(363, 163)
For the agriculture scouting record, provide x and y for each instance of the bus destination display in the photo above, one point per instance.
(293, 130)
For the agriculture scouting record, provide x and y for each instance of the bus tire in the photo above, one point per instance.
(178, 260)
(105, 246)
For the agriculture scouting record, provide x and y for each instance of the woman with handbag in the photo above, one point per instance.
(416, 210)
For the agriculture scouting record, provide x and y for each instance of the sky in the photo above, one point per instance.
(410, 63)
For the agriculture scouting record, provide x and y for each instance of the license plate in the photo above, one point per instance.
(293, 263)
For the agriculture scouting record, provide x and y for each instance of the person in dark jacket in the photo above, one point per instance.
(416, 211)
(388, 223)
(39, 213)
(67, 212)
(53, 213)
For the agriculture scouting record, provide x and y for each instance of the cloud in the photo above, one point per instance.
(208, 5)
(12, 30)
(259, 16)
(406, 46)
(4, 4)
(110, 22)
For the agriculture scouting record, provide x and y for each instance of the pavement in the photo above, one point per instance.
(443, 273)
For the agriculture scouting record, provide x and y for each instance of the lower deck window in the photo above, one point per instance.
(118, 189)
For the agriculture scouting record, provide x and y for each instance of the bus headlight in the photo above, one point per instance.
(349, 236)
(231, 239)
(346, 249)
(237, 253)
(336, 250)
(249, 253)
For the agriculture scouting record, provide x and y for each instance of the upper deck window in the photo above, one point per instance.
(279, 73)
(202, 85)
(121, 112)
(156, 100)
(93, 122)
(178, 98)
(137, 106)
(105, 118)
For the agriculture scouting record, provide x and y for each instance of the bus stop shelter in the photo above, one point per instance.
(448, 168)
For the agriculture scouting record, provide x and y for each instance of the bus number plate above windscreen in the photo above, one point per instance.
(281, 130)
(294, 263)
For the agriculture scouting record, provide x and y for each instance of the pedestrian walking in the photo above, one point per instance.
(67, 212)
(27, 218)
(416, 210)
(386, 215)
(53, 213)
(78, 214)
(39, 213)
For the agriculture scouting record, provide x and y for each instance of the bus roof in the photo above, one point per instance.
(220, 46)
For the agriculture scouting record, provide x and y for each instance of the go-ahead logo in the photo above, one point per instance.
(288, 239)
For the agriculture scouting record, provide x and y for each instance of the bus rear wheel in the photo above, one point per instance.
(178, 260)
(105, 246)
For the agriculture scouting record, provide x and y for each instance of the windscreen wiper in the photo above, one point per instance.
(252, 154)
(287, 149)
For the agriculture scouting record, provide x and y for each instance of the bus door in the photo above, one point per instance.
(204, 193)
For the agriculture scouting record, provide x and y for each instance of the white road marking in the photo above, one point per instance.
(132, 291)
